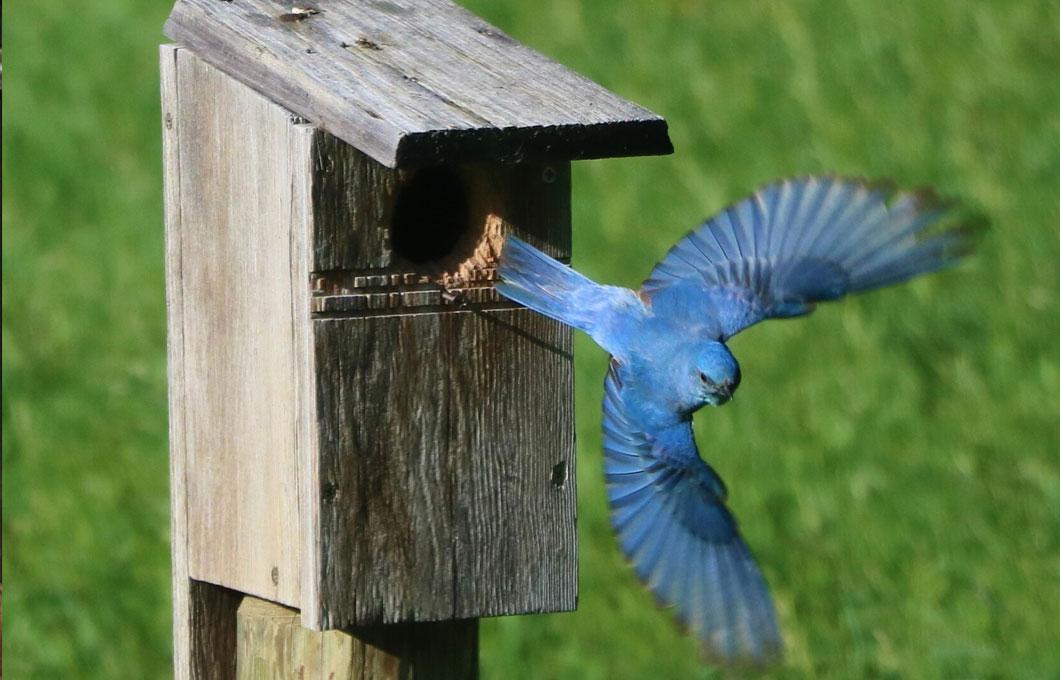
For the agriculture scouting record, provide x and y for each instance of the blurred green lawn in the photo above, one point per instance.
(893, 459)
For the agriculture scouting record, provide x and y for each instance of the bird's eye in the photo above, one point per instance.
(704, 379)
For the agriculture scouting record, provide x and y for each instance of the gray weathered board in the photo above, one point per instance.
(357, 436)
(239, 180)
(273, 645)
(473, 401)
(415, 81)
(234, 474)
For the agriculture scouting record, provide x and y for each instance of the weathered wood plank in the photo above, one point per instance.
(354, 204)
(439, 437)
(182, 649)
(402, 533)
(305, 412)
(510, 386)
(273, 644)
(243, 179)
(203, 614)
(354, 201)
(416, 81)
(385, 478)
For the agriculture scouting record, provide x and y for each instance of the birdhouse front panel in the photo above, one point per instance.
(445, 441)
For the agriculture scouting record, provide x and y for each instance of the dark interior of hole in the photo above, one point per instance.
(430, 215)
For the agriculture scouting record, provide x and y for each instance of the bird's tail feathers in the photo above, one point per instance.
(545, 285)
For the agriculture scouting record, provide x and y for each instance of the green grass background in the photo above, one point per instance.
(894, 459)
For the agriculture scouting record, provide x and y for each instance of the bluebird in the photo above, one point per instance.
(775, 254)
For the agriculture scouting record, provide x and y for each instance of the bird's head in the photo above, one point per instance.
(715, 374)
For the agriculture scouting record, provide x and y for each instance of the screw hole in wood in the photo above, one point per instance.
(559, 474)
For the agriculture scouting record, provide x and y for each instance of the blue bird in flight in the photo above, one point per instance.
(775, 254)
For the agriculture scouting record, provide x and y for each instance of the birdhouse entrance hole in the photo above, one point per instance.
(432, 217)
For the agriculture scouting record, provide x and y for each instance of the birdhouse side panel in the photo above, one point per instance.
(239, 176)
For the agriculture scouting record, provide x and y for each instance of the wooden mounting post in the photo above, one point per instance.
(272, 643)
(361, 429)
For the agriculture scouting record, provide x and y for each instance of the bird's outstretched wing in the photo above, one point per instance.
(668, 510)
(802, 241)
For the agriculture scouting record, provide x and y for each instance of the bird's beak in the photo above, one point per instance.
(726, 392)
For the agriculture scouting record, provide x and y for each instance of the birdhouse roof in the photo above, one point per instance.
(413, 82)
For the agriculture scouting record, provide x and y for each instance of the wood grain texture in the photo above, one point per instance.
(416, 81)
(440, 435)
(353, 200)
(510, 438)
(203, 614)
(182, 648)
(385, 420)
(274, 645)
(306, 422)
(242, 179)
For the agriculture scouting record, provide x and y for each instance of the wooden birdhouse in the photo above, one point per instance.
(362, 429)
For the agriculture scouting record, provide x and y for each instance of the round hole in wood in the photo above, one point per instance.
(431, 215)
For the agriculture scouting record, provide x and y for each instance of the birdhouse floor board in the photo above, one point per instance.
(412, 82)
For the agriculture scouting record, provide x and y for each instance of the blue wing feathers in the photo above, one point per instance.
(814, 279)
(716, 603)
(650, 552)
(668, 578)
(623, 514)
(729, 602)
(668, 511)
(741, 603)
(791, 245)
(803, 241)
(703, 613)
